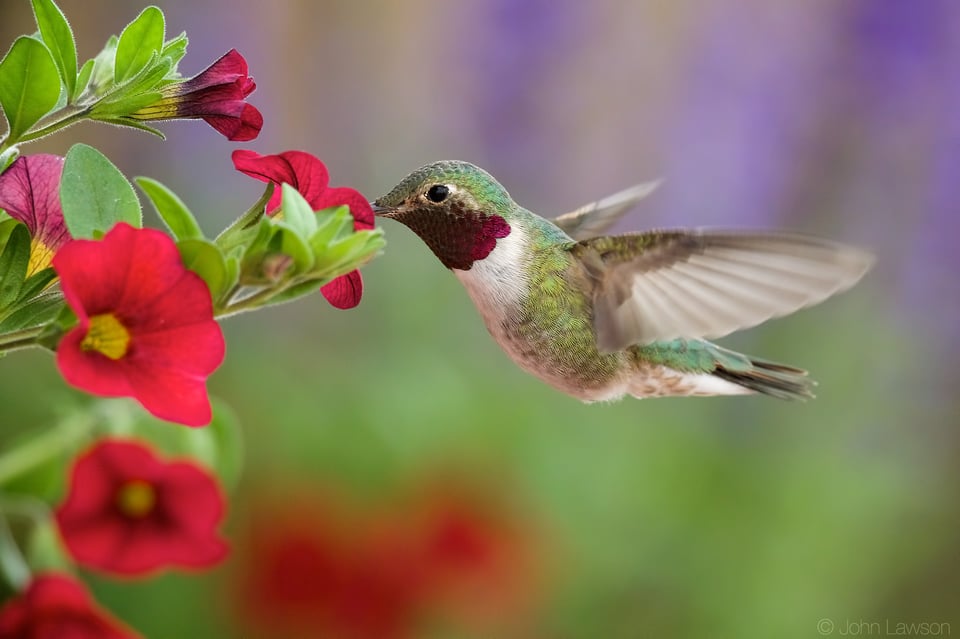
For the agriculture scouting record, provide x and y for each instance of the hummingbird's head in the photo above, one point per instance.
(458, 209)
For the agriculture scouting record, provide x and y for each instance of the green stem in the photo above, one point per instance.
(13, 565)
(52, 127)
(20, 339)
(249, 303)
(33, 452)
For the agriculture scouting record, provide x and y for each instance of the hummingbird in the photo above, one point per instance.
(600, 316)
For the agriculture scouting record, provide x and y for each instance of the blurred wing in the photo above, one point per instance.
(700, 284)
(593, 219)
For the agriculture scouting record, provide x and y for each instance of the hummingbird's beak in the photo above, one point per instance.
(382, 211)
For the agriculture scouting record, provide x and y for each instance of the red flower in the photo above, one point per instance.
(324, 570)
(309, 176)
(217, 95)
(146, 327)
(55, 606)
(317, 571)
(478, 555)
(30, 193)
(128, 512)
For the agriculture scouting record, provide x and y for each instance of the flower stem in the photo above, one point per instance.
(13, 565)
(57, 124)
(33, 452)
(20, 339)
(249, 303)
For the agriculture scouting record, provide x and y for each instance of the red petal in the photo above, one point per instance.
(93, 274)
(239, 128)
(88, 370)
(91, 489)
(197, 349)
(230, 67)
(30, 193)
(171, 394)
(193, 498)
(96, 543)
(55, 605)
(359, 206)
(345, 291)
(300, 170)
(124, 460)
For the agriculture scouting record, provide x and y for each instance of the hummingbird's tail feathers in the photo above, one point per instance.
(770, 378)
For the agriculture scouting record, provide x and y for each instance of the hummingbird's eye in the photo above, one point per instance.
(438, 193)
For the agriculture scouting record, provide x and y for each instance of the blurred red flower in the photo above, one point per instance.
(128, 513)
(217, 95)
(145, 324)
(30, 193)
(55, 606)
(310, 177)
(311, 567)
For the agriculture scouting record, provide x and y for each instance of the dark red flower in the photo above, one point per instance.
(477, 554)
(128, 512)
(313, 567)
(30, 193)
(217, 95)
(145, 324)
(309, 176)
(55, 606)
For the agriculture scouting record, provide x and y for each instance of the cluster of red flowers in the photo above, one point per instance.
(126, 513)
(309, 176)
(146, 326)
(146, 329)
(311, 566)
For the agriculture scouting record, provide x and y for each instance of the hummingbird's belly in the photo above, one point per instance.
(559, 348)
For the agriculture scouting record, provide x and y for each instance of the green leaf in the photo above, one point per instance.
(29, 84)
(349, 253)
(94, 193)
(13, 265)
(122, 104)
(135, 124)
(8, 157)
(139, 41)
(174, 213)
(245, 228)
(296, 246)
(149, 78)
(38, 311)
(83, 79)
(204, 258)
(298, 290)
(333, 224)
(101, 79)
(56, 33)
(297, 213)
(175, 49)
(6, 228)
(36, 283)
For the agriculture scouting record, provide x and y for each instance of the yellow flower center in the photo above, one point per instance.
(136, 498)
(40, 257)
(106, 335)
